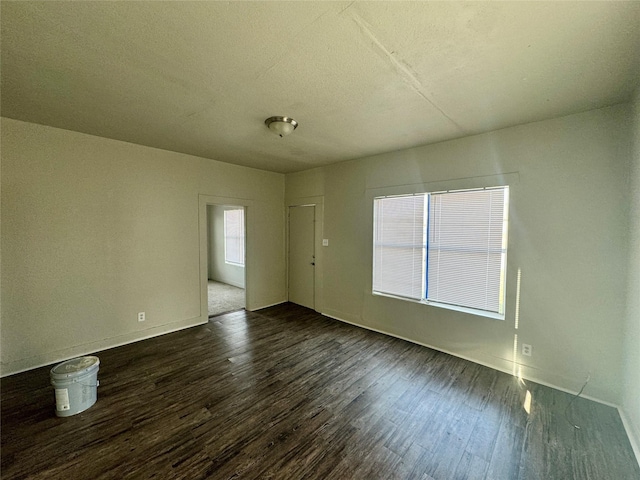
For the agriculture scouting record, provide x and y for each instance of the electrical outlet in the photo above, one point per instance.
(325, 242)
(141, 317)
(527, 349)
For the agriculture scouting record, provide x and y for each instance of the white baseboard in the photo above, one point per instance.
(56, 356)
(632, 433)
(509, 371)
(350, 319)
(254, 309)
(48, 358)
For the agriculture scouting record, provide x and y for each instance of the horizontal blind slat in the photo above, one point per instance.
(234, 236)
(399, 246)
(465, 248)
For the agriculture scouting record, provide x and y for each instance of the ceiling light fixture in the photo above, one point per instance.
(281, 126)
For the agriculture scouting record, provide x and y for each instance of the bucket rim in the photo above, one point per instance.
(90, 368)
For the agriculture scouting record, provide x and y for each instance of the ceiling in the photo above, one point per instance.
(360, 78)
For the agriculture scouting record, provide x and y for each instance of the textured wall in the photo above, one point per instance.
(568, 236)
(96, 230)
(631, 381)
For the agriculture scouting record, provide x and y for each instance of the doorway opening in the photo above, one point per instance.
(226, 258)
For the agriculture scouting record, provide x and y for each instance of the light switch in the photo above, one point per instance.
(325, 242)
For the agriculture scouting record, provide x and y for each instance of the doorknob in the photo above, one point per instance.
(313, 263)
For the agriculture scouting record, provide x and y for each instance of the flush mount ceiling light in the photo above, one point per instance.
(281, 126)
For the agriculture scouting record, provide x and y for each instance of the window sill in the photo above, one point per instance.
(471, 311)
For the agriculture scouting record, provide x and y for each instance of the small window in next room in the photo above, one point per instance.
(234, 236)
(447, 249)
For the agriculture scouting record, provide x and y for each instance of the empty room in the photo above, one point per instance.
(427, 214)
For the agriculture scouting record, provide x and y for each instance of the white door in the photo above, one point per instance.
(302, 255)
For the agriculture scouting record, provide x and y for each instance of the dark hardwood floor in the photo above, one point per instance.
(285, 393)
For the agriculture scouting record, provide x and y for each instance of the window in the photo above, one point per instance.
(444, 248)
(234, 236)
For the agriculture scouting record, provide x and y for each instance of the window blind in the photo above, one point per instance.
(467, 248)
(234, 236)
(399, 246)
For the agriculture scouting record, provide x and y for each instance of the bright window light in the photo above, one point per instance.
(447, 248)
(234, 236)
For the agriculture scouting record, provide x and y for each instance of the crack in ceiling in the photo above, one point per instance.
(402, 68)
(200, 77)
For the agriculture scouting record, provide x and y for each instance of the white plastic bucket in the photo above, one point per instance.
(76, 385)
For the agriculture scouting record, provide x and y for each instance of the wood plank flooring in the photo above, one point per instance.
(285, 393)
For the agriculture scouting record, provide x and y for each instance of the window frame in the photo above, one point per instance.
(501, 314)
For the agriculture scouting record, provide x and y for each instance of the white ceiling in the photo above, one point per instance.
(360, 78)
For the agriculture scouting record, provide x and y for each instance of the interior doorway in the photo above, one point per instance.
(302, 257)
(226, 227)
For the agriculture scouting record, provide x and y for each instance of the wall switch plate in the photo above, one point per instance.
(527, 349)
(141, 317)
(325, 242)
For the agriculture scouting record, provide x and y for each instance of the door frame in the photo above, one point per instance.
(318, 202)
(203, 201)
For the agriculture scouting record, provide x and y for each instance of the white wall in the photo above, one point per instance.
(219, 270)
(568, 235)
(631, 380)
(96, 230)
